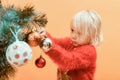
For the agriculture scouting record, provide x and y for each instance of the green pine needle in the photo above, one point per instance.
(27, 12)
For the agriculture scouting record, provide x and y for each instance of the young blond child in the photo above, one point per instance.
(75, 56)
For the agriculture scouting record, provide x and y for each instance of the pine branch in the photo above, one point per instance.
(27, 12)
(6, 70)
(25, 15)
(41, 20)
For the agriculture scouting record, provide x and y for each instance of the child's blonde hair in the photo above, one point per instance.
(88, 23)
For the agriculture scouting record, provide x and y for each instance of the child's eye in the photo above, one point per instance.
(72, 30)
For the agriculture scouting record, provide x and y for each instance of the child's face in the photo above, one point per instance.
(77, 37)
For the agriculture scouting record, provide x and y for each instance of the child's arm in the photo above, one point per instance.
(81, 57)
(60, 41)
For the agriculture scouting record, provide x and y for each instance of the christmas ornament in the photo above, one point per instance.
(18, 53)
(36, 36)
(40, 62)
(33, 39)
(46, 44)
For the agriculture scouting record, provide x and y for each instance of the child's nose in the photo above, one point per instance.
(74, 37)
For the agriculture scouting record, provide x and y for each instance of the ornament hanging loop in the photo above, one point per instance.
(14, 34)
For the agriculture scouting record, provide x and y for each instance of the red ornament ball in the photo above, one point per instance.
(40, 62)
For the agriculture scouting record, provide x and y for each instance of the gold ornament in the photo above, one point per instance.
(33, 38)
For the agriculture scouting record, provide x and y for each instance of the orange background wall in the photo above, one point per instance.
(59, 13)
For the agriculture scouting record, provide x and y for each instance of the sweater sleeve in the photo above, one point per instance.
(59, 41)
(79, 58)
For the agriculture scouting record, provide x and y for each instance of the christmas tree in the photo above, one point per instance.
(21, 21)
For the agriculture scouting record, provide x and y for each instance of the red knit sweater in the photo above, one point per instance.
(80, 61)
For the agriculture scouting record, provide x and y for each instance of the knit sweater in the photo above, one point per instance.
(80, 61)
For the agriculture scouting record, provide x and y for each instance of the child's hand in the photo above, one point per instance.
(41, 30)
(42, 33)
(45, 43)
